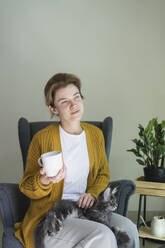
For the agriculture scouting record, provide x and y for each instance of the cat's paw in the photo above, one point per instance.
(58, 225)
(121, 236)
(54, 227)
(51, 224)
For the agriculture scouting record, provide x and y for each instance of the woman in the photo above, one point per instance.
(84, 174)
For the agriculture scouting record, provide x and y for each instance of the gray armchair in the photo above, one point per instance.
(13, 204)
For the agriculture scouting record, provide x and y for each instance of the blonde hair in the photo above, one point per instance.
(59, 80)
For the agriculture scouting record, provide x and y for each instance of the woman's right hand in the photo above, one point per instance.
(56, 179)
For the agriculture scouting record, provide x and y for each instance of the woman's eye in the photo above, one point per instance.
(64, 102)
(77, 97)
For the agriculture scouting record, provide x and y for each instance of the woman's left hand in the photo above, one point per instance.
(86, 201)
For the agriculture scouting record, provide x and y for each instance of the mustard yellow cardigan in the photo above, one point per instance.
(43, 197)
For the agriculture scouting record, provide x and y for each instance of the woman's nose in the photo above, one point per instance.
(72, 103)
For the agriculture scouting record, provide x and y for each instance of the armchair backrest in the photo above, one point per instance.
(26, 130)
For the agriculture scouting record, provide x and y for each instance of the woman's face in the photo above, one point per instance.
(68, 103)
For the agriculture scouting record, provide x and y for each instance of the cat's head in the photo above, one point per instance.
(108, 198)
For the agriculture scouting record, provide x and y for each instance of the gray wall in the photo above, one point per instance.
(117, 48)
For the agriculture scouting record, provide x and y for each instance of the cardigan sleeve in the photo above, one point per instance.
(100, 174)
(30, 185)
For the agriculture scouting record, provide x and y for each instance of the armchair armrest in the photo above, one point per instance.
(125, 190)
(13, 204)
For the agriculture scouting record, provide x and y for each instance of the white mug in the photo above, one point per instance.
(52, 162)
(158, 226)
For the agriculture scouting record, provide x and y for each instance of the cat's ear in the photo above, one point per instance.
(114, 190)
(107, 193)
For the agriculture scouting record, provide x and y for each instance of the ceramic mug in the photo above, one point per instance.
(52, 162)
(158, 226)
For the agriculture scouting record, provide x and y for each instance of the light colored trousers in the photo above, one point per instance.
(81, 233)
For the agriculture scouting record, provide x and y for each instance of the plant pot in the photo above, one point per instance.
(154, 174)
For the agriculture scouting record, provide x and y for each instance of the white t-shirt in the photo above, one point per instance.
(76, 159)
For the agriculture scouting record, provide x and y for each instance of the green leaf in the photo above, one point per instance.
(141, 130)
(138, 143)
(135, 141)
(136, 152)
(162, 148)
(163, 124)
(144, 150)
(141, 127)
(140, 161)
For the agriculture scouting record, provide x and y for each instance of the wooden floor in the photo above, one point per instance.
(133, 217)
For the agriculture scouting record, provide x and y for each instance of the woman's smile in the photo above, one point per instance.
(75, 112)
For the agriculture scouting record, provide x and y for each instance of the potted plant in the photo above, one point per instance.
(150, 150)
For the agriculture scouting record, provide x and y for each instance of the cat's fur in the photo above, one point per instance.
(100, 212)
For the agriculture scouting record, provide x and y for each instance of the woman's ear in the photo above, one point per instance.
(53, 110)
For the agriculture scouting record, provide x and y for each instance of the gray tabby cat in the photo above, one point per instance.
(100, 212)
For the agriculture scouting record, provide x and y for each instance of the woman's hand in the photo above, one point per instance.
(86, 201)
(56, 179)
